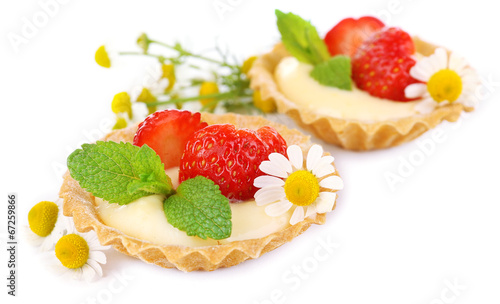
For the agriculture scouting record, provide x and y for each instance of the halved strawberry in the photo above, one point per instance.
(382, 63)
(230, 157)
(345, 37)
(167, 132)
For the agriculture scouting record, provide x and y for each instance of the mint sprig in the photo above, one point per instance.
(301, 38)
(119, 172)
(199, 208)
(302, 41)
(335, 72)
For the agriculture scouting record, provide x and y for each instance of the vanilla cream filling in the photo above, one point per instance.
(295, 83)
(145, 219)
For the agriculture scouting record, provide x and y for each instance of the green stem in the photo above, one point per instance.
(217, 96)
(187, 53)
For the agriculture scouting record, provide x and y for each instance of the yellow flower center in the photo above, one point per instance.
(265, 105)
(102, 58)
(168, 72)
(208, 88)
(302, 188)
(43, 217)
(72, 250)
(121, 104)
(445, 85)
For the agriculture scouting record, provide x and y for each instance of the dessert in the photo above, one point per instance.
(153, 219)
(365, 86)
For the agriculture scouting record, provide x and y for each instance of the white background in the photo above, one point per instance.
(407, 244)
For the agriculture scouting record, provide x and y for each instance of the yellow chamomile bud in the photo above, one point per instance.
(72, 250)
(121, 104)
(147, 97)
(143, 42)
(168, 72)
(208, 88)
(266, 106)
(120, 123)
(43, 217)
(247, 64)
(102, 58)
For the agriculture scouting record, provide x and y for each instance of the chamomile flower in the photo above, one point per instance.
(79, 255)
(447, 79)
(289, 184)
(46, 225)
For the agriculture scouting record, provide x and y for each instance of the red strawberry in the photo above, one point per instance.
(230, 157)
(167, 132)
(382, 63)
(345, 37)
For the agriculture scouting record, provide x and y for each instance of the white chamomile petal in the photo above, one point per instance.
(415, 90)
(268, 181)
(325, 170)
(421, 71)
(457, 63)
(425, 106)
(311, 209)
(97, 256)
(297, 216)
(278, 208)
(269, 195)
(439, 59)
(326, 202)
(333, 182)
(295, 156)
(271, 168)
(87, 273)
(281, 161)
(324, 163)
(95, 266)
(313, 156)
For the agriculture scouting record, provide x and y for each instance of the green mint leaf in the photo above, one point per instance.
(335, 72)
(119, 172)
(301, 38)
(198, 208)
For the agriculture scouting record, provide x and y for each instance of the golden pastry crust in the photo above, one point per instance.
(349, 134)
(80, 204)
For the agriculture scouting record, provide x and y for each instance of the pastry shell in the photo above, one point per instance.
(80, 204)
(348, 133)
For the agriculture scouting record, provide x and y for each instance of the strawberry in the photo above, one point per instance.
(230, 157)
(345, 37)
(167, 132)
(382, 63)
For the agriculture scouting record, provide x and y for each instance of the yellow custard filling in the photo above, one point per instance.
(295, 83)
(146, 220)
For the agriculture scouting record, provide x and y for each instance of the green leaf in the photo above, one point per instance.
(199, 208)
(119, 172)
(301, 38)
(335, 72)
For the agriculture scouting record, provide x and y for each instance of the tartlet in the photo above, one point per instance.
(81, 205)
(349, 133)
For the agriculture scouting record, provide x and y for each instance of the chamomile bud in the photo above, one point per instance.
(208, 88)
(102, 57)
(147, 97)
(168, 72)
(143, 42)
(247, 64)
(120, 123)
(121, 104)
(265, 105)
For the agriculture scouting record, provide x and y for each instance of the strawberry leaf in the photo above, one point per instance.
(199, 208)
(335, 72)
